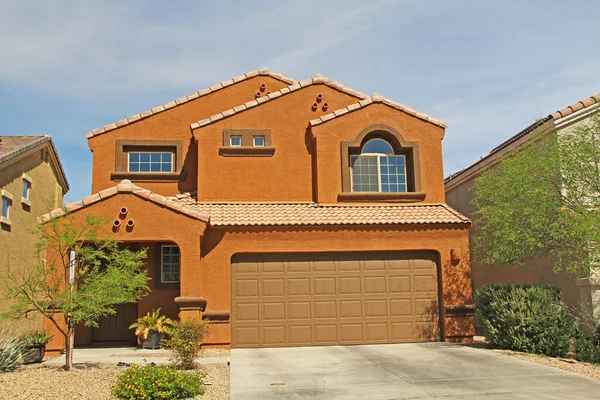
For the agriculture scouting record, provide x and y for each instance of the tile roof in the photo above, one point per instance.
(11, 146)
(126, 187)
(317, 79)
(287, 214)
(590, 101)
(376, 98)
(185, 99)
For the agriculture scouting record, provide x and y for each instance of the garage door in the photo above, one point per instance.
(334, 298)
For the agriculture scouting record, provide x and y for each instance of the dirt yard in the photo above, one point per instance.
(90, 381)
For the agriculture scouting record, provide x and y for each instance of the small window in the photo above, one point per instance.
(150, 162)
(26, 189)
(259, 141)
(5, 207)
(169, 266)
(235, 141)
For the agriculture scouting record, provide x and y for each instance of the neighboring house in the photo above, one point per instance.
(287, 213)
(459, 195)
(32, 182)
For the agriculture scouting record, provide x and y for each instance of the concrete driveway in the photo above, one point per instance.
(398, 371)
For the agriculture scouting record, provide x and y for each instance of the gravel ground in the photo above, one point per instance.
(166, 353)
(567, 364)
(90, 381)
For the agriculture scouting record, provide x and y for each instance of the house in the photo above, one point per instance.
(288, 213)
(459, 195)
(32, 182)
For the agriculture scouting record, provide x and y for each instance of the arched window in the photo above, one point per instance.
(378, 169)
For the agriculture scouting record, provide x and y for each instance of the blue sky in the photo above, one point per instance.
(488, 68)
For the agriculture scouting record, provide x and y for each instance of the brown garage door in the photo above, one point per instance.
(334, 298)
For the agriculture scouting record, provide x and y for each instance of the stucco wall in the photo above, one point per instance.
(534, 271)
(330, 135)
(173, 124)
(17, 243)
(287, 175)
(219, 245)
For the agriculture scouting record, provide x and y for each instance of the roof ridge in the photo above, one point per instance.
(377, 98)
(190, 97)
(581, 104)
(316, 79)
(125, 186)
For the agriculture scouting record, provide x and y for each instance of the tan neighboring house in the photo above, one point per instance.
(32, 181)
(459, 196)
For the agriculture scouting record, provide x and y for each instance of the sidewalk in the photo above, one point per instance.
(129, 355)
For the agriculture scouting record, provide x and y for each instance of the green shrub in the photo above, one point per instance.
(184, 339)
(523, 317)
(157, 382)
(36, 337)
(585, 348)
(10, 351)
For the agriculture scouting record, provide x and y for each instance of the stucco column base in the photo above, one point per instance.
(589, 295)
(459, 323)
(191, 307)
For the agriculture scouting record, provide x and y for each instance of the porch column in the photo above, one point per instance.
(190, 301)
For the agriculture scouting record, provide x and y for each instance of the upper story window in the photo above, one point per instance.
(140, 161)
(6, 205)
(26, 194)
(258, 141)
(235, 141)
(378, 169)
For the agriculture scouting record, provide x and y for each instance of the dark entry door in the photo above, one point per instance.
(115, 328)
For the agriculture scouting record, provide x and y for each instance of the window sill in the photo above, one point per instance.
(5, 221)
(407, 197)
(246, 151)
(25, 202)
(149, 176)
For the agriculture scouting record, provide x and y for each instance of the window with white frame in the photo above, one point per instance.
(258, 141)
(169, 264)
(235, 141)
(378, 169)
(150, 161)
(25, 196)
(6, 205)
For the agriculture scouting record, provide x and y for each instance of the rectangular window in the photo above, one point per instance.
(259, 141)
(6, 207)
(235, 141)
(169, 266)
(26, 189)
(150, 162)
(378, 173)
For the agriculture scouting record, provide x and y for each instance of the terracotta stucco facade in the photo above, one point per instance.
(286, 197)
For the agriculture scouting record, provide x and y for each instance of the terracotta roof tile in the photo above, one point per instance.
(376, 98)
(580, 105)
(126, 186)
(219, 86)
(315, 80)
(287, 214)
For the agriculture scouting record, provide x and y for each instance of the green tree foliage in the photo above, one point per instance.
(541, 200)
(106, 274)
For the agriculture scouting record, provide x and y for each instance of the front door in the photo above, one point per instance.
(115, 328)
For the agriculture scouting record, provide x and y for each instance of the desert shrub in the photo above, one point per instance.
(38, 336)
(585, 348)
(523, 317)
(157, 382)
(11, 347)
(184, 339)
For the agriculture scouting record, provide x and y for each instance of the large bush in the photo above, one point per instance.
(157, 382)
(185, 339)
(523, 317)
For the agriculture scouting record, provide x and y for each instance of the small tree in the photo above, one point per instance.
(68, 291)
(542, 200)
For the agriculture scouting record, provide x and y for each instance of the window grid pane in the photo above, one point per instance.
(259, 141)
(5, 205)
(150, 162)
(364, 174)
(393, 174)
(170, 264)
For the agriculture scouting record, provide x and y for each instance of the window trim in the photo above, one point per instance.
(122, 160)
(231, 140)
(5, 220)
(258, 137)
(26, 200)
(247, 148)
(400, 146)
(162, 246)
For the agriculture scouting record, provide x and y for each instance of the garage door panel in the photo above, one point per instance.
(334, 298)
